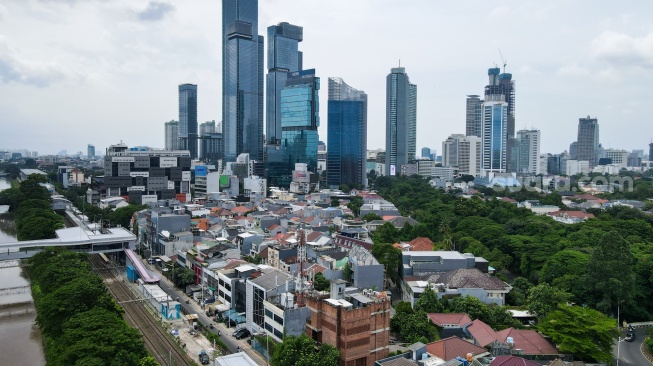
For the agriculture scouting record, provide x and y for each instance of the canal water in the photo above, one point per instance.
(20, 338)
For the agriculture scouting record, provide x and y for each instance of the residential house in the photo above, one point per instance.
(450, 324)
(519, 341)
(453, 347)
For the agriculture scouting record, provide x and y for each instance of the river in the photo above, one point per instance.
(20, 338)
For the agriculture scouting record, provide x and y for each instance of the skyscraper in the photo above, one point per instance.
(242, 80)
(650, 151)
(90, 152)
(474, 116)
(495, 118)
(210, 141)
(588, 140)
(347, 135)
(502, 84)
(188, 118)
(401, 120)
(426, 153)
(300, 119)
(526, 157)
(172, 135)
(283, 57)
(207, 127)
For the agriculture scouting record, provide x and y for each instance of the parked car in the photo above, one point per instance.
(629, 337)
(631, 328)
(244, 333)
(204, 358)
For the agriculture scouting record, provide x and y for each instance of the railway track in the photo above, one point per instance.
(160, 344)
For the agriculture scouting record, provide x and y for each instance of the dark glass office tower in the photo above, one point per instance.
(347, 135)
(242, 80)
(300, 119)
(188, 119)
(283, 57)
(401, 120)
(588, 140)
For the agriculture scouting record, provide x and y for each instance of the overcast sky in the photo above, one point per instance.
(74, 72)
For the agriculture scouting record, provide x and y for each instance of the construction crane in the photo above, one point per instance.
(504, 61)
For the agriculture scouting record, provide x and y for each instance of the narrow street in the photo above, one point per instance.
(630, 353)
(192, 307)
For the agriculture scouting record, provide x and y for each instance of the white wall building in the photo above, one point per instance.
(577, 167)
(463, 152)
(527, 152)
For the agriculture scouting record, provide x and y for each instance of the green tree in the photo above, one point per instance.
(413, 326)
(585, 332)
(123, 215)
(542, 299)
(355, 205)
(610, 278)
(335, 202)
(386, 233)
(428, 302)
(300, 351)
(148, 361)
(320, 283)
(100, 334)
(371, 217)
(389, 256)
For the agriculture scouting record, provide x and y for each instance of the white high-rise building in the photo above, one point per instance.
(172, 135)
(618, 157)
(493, 134)
(463, 152)
(526, 152)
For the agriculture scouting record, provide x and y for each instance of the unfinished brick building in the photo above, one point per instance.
(359, 327)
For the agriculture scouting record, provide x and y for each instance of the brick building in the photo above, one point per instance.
(358, 326)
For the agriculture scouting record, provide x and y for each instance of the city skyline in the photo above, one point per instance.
(116, 65)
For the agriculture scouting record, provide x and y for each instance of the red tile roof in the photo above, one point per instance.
(241, 209)
(482, 333)
(313, 236)
(272, 227)
(530, 341)
(421, 244)
(512, 361)
(452, 347)
(572, 214)
(442, 319)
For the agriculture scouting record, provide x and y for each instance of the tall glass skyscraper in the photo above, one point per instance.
(347, 135)
(300, 119)
(188, 118)
(242, 80)
(401, 120)
(502, 84)
(283, 57)
(493, 139)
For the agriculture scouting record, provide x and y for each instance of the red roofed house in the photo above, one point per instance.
(452, 347)
(512, 361)
(450, 320)
(528, 341)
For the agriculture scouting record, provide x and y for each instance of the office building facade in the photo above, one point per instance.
(401, 120)
(462, 152)
(526, 152)
(347, 135)
(172, 135)
(242, 80)
(473, 116)
(147, 175)
(188, 118)
(588, 141)
(493, 137)
(300, 119)
(283, 57)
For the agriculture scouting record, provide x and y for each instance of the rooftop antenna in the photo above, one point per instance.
(399, 62)
(504, 61)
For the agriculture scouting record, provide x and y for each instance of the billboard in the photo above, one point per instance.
(200, 170)
(393, 170)
(224, 181)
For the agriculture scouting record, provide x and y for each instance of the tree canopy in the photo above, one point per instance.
(300, 351)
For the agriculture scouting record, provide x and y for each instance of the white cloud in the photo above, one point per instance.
(624, 50)
(3, 12)
(155, 10)
(14, 68)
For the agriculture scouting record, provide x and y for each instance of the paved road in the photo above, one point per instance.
(225, 334)
(630, 353)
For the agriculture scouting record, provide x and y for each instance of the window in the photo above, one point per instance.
(278, 319)
(268, 313)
